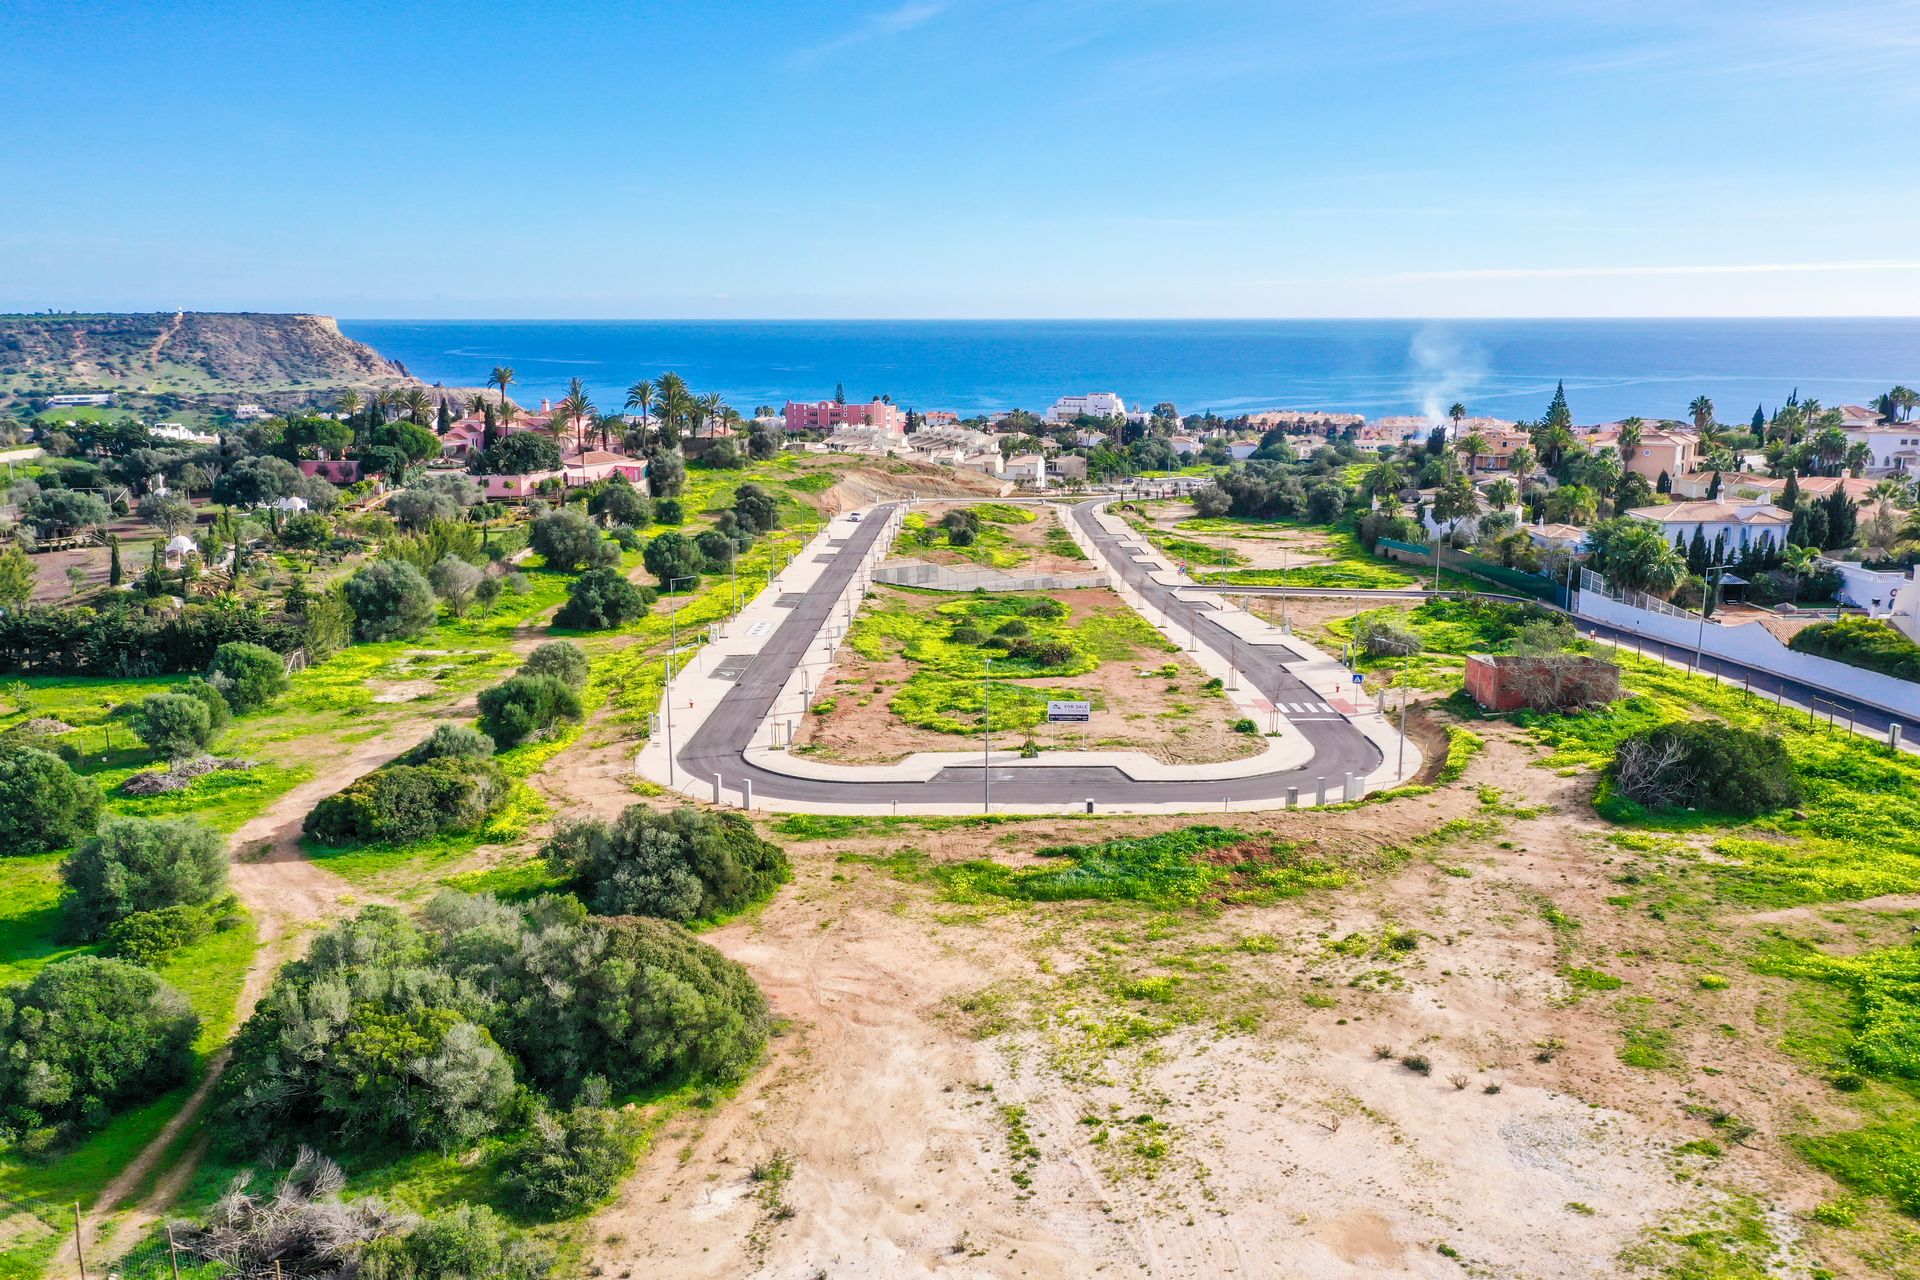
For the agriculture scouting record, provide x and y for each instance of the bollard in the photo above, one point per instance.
(716, 788)
(1293, 797)
(746, 794)
(1226, 803)
(1089, 806)
(1893, 736)
(1319, 790)
(1346, 788)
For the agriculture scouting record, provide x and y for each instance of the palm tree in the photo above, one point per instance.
(1475, 446)
(350, 402)
(709, 407)
(1382, 479)
(1702, 411)
(500, 377)
(1830, 446)
(1908, 400)
(576, 408)
(1858, 456)
(640, 396)
(1503, 493)
(1629, 441)
(477, 404)
(1521, 461)
(418, 405)
(1458, 412)
(670, 397)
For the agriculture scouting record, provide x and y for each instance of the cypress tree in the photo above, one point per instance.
(1713, 488)
(113, 560)
(445, 418)
(1789, 499)
(1697, 559)
(1664, 484)
(1759, 421)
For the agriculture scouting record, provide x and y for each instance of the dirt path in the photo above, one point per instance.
(166, 336)
(286, 893)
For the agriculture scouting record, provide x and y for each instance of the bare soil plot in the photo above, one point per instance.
(1405, 1076)
(1154, 701)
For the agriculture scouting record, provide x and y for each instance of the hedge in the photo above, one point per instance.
(125, 642)
(1861, 642)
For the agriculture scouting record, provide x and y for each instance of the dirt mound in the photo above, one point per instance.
(178, 776)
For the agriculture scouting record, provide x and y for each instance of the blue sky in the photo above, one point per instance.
(963, 158)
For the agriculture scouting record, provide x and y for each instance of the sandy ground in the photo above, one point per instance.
(1273, 547)
(1264, 1137)
(1030, 539)
(1172, 720)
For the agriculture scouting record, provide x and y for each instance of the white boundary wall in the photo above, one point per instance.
(1754, 645)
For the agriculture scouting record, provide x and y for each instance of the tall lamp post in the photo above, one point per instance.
(673, 652)
(1706, 606)
(986, 735)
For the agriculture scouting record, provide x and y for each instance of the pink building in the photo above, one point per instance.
(332, 470)
(580, 469)
(826, 415)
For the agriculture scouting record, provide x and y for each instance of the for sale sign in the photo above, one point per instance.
(1069, 712)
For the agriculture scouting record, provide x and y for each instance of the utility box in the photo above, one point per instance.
(1548, 682)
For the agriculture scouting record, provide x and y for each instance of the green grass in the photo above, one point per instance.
(945, 693)
(1176, 868)
(30, 916)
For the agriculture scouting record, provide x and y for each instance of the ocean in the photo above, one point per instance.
(1501, 368)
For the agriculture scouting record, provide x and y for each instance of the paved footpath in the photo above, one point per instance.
(732, 706)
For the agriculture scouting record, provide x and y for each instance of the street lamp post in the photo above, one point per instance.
(673, 652)
(1706, 603)
(986, 738)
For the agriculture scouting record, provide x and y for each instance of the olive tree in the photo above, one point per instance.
(140, 864)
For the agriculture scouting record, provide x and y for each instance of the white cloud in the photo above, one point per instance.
(891, 22)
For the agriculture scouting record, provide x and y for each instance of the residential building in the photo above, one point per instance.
(1028, 468)
(1556, 537)
(251, 413)
(176, 432)
(940, 418)
(1089, 439)
(826, 415)
(90, 399)
(1067, 466)
(861, 438)
(1895, 446)
(1097, 404)
(1660, 452)
(1738, 485)
(1728, 524)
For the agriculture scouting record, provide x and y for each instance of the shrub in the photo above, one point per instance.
(148, 937)
(299, 1226)
(966, 633)
(567, 540)
(465, 1242)
(668, 511)
(670, 557)
(140, 864)
(402, 803)
(174, 724)
(85, 1037)
(570, 1162)
(1050, 609)
(249, 675)
(1386, 638)
(392, 1029)
(561, 659)
(391, 600)
(600, 599)
(450, 742)
(454, 581)
(678, 864)
(44, 804)
(1861, 642)
(1245, 725)
(620, 503)
(522, 706)
(1705, 765)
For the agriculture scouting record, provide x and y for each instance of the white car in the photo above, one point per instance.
(854, 516)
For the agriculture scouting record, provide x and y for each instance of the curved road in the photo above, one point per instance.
(719, 746)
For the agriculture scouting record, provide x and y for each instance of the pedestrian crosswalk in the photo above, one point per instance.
(1305, 708)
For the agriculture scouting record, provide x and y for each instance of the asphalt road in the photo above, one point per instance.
(1825, 706)
(720, 744)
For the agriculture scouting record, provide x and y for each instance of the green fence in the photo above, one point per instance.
(1516, 580)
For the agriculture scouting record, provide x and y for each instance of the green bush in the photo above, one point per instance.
(600, 599)
(466, 1242)
(174, 724)
(148, 937)
(1705, 765)
(561, 659)
(391, 600)
(403, 803)
(86, 1037)
(450, 742)
(1861, 642)
(567, 540)
(677, 864)
(250, 675)
(44, 804)
(140, 864)
(567, 1163)
(392, 1030)
(522, 706)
